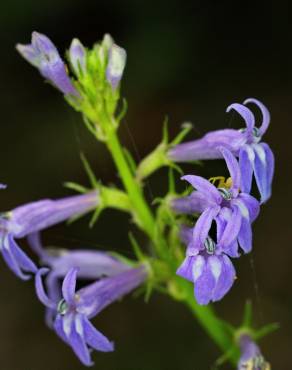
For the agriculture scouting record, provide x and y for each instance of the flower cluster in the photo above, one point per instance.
(229, 209)
(224, 210)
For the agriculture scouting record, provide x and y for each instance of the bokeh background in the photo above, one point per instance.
(188, 60)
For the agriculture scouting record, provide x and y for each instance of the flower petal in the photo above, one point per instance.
(225, 280)
(246, 201)
(95, 338)
(204, 285)
(232, 228)
(246, 162)
(58, 327)
(205, 187)
(262, 173)
(245, 235)
(201, 229)
(77, 341)
(245, 113)
(69, 286)
(185, 270)
(266, 114)
(40, 291)
(22, 259)
(233, 168)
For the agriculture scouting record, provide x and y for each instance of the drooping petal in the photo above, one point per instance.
(232, 228)
(186, 234)
(251, 356)
(261, 172)
(77, 341)
(11, 261)
(95, 338)
(204, 285)
(266, 114)
(249, 206)
(233, 168)
(205, 187)
(225, 280)
(59, 328)
(245, 113)
(246, 163)
(22, 259)
(232, 249)
(201, 229)
(270, 159)
(185, 270)
(245, 235)
(69, 286)
(42, 295)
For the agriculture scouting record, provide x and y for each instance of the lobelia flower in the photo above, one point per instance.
(255, 157)
(43, 55)
(73, 313)
(211, 270)
(116, 65)
(92, 265)
(251, 357)
(32, 217)
(232, 210)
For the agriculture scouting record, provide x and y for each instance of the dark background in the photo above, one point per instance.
(188, 60)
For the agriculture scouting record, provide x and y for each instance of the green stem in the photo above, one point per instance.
(142, 211)
(217, 329)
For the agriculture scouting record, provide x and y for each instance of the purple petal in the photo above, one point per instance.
(232, 228)
(204, 285)
(233, 168)
(77, 341)
(225, 280)
(245, 113)
(201, 229)
(3, 186)
(186, 234)
(12, 263)
(262, 172)
(246, 201)
(270, 160)
(245, 235)
(69, 286)
(232, 249)
(246, 162)
(22, 259)
(95, 338)
(185, 270)
(95, 297)
(196, 202)
(40, 291)
(205, 187)
(207, 147)
(266, 114)
(58, 326)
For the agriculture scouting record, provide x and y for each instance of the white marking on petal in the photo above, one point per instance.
(67, 319)
(216, 267)
(243, 209)
(198, 266)
(261, 153)
(250, 153)
(78, 325)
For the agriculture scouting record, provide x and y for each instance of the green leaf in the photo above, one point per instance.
(88, 170)
(76, 187)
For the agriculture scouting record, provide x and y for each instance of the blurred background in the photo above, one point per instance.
(188, 60)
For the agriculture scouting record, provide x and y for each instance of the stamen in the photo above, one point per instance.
(210, 245)
(62, 307)
(226, 194)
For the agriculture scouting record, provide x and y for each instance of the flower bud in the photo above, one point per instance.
(77, 56)
(116, 65)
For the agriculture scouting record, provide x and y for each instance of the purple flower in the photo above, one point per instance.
(43, 54)
(211, 270)
(91, 264)
(255, 157)
(73, 313)
(232, 210)
(32, 217)
(251, 357)
(116, 65)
